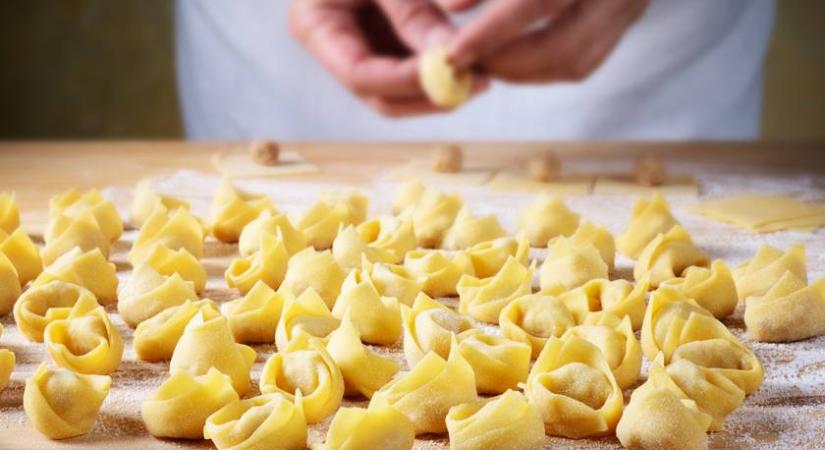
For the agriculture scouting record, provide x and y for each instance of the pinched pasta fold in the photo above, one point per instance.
(393, 281)
(65, 233)
(147, 293)
(88, 269)
(757, 275)
(269, 223)
(73, 202)
(507, 421)
(489, 257)
(169, 262)
(668, 256)
(175, 230)
(483, 299)
(498, 363)
(9, 285)
(266, 421)
(155, 339)
(789, 311)
(570, 264)
(432, 215)
(323, 220)
(618, 297)
(712, 288)
(146, 199)
(9, 213)
(375, 427)
(308, 314)
(317, 270)
(377, 318)
(615, 338)
(599, 237)
(42, 305)
(407, 195)
(533, 319)
(545, 219)
(268, 264)
(393, 236)
(649, 219)
(233, 209)
(468, 230)
(440, 271)
(23, 254)
(254, 317)
(429, 326)
(349, 249)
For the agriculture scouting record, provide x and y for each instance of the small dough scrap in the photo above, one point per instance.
(442, 271)
(254, 318)
(507, 421)
(155, 339)
(712, 288)
(468, 230)
(266, 421)
(175, 230)
(9, 285)
(85, 341)
(599, 237)
(444, 85)
(147, 293)
(545, 219)
(789, 311)
(72, 203)
(572, 385)
(649, 219)
(533, 319)
(146, 199)
(207, 342)
(570, 264)
(23, 254)
(391, 235)
(764, 213)
(668, 256)
(233, 209)
(489, 257)
(429, 327)
(268, 223)
(42, 305)
(308, 314)
(323, 220)
(433, 215)
(376, 427)
(498, 363)
(68, 232)
(265, 152)
(304, 367)
(314, 269)
(427, 392)
(169, 262)
(7, 361)
(377, 318)
(757, 275)
(269, 265)
(63, 404)
(364, 371)
(393, 280)
(409, 194)
(618, 297)
(88, 269)
(484, 298)
(9, 213)
(181, 405)
(615, 338)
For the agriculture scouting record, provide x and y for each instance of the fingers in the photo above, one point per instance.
(458, 5)
(397, 108)
(419, 23)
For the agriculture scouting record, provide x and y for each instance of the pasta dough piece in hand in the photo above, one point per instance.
(483, 299)
(146, 199)
(232, 209)
(308, 314)
(619, 297)
(147, 293)
(269, 223)
(600, 238)
(180, 407)
(305, 366)
(533, 319)
(615, 338)
(468, 230)
(545, 219)
(73, 202)
(668, 256)
(9, 213)
(90, 270)
(507, 421)
(255, 317)
(429, 327)
(441, 271)
(489, 257)
(712, 288)
(65, 233)
(376, 427)
(175, 230)
(42, 305)
(323, 220)
(23, 254)
(433, 215)
(155, 339)
(649, 219)
(378, 319)
(317, 270)
(269, 265)
(61, 403)
(9, 285)
(789, 311)
(169, 262)
(573, 387)
(394, 281)
(570, 264)
(444, 85)
(498, 363)
(757, 275)
(266, 421)
(207, 342)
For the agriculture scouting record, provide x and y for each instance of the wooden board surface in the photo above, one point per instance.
(787, 412)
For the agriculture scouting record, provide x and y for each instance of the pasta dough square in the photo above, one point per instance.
(764, 213)
(518, 181)
(470, 174)
(625, 184)
(238, 164)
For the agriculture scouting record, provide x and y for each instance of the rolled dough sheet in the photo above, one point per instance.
(764, 213)
(240, 165)
(621, 184)
(420, 170)
(516, 181)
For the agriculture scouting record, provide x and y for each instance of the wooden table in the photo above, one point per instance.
(788, 411)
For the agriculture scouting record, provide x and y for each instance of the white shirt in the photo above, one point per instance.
(688, 69)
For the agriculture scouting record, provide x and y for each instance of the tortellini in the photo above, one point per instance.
(407, 195)
(155, 339)
(269, 223)
(181, 405)
(42, 305)
(394, 281)
(323, 220)
(649, 219)
(615, 338)
(498, 363)
(61, 403)
(7, 361)
(65, 233)
(85, 341)
(364, 371)
(600, 238)
(317, 270)
(376, 427)
(427, 392)
(146, 199)
(232, 209)
(268, 264)
(175, 230)
(442, 271)
(668, 256)
(9, 285)
(207, 342)
(308, 314)
(757, 275)
(570, 264)
(432, 215)
(468, 230)
(429, 327)
(533, 319)
(445, 85)
(304, 366)
(619, 297)
(392, 236)
(9, 213)
(483, 299)
(489, 257)
(349, 249)
(147, 293)
(712, 288)
(377, 318)
(73, 203)
(789, 311)
(545, 219)
(23, 254)
(255, 317)
(507, 421)
(574, 389)
(169, 262)
(265, 421)
(88, 269)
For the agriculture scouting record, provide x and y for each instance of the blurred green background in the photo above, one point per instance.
(105, 69)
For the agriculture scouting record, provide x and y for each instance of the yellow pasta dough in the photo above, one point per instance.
(440, 270)
(309, 314)
(599, 237)
(489, 257)
(85, 341)
(269, 223)
(269, 265)
(433, 215)
(364, 371)
(317, 270)
(394, 281)
(570, 264)
(42, 305)
(155, 339)
(146, 199)
(427, 392)
(65, 233)
(304, 366)
(181, 405)
(429, 326)
(175, 230)
(615, 338)
(392, 236)
(9, 285)
(147, 293)
(376, 427)
(764, 213)
(7, 361)
(232, 209)
(169, 262)
(668, 256)
(444, 85)
(377, 318)
(712, 288)
(789, 311)
(547, 218)
(23, 254)
(408, 195)
(349, 249)
(88, 269)
(73, 202)
(483, 299)
(255, 317)
(574, 389)
(61, 403)
(207, 342)
(533, 319)
(619, 297)
(9, 213)
(649, 219)
(263, 422)
(468, 230)
(322, 221)
(757, 275)
(507, 421)
(498, 363)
